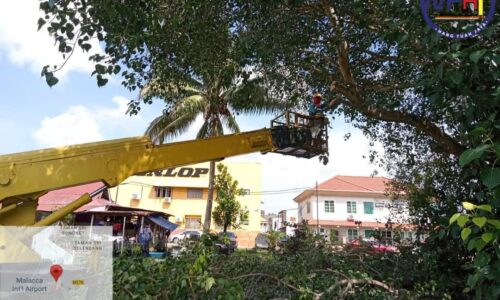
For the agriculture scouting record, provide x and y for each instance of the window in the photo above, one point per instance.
(351, 207)
(329, 206)
(369, 233)
(368, 208)
(195, 193)
(407, 235)
(193, 222)
(308, 206)
(162, 192)
(352, 234)
(387, 237)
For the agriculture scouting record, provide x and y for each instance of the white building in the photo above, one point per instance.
(348, 207)
(269, 222)
(286, 218)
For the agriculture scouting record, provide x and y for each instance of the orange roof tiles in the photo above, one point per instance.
(355, 184)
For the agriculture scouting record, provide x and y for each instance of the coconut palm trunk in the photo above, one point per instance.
(210, 198)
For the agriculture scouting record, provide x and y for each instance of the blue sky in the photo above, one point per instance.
(34, 116)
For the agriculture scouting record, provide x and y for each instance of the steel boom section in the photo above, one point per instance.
(37, 172)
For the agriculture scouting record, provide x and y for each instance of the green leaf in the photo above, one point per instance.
(209, 283)
(487, 237)
(41, 22)
(468, 206)
(456, 77)
(485, 207)
(495, 223)
(51, 80)
(101, 69)
(462, 220)
(470, 244)
(478, 131)
(482, 259)
(86, 47)
(497, 149)
(456, 46)
(469, 155)
(465, 233)
(491, 177)
(479, 221)
(454, 218)
(476, 55)
(101, 81)
(479, 244)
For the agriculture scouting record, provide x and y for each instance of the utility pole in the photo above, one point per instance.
(317, 209)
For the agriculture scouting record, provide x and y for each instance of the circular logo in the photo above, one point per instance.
(437, 12)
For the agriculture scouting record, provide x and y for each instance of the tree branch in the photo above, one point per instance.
(269, 276)
(350, 90)
(395, 86)
(350, 282)
(435, 132)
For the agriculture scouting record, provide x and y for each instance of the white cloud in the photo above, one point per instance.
(25, 46)
(76, 125)
(82, 124)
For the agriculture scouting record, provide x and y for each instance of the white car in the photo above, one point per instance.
(187, 234)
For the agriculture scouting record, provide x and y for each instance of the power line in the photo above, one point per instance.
(283, 191)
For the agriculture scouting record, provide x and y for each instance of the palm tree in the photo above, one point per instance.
(217, 98)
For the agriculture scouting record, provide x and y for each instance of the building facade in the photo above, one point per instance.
(269, 222)
(286, 219)
(346, 208)
(183, 191)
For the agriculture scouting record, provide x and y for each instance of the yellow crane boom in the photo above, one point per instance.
(26, 176)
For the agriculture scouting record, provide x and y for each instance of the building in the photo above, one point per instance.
(345, 208)
(287, 218)
(183, 192)
(269, 222)
(100, 211)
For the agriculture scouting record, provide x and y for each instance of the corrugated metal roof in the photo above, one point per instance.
(56, 199)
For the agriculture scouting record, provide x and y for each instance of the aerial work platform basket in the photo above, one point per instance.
(300, 135)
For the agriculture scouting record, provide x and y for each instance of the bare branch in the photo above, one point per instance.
(351, 282)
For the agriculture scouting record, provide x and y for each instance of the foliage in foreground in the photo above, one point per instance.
(307, 267)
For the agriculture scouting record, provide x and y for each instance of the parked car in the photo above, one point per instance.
(374, 245)
(227, 242)
(261, 241)
(187, 234)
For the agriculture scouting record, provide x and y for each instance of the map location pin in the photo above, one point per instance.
(56, 271)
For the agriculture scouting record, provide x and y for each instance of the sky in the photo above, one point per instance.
(34, 116)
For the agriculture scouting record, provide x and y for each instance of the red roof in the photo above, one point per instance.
(56, 199)
(355, 184)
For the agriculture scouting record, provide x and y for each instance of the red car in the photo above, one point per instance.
(377, 247)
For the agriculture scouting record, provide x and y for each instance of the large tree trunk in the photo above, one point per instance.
(210, 198)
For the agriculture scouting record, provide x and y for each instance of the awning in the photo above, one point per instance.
(161, 221)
